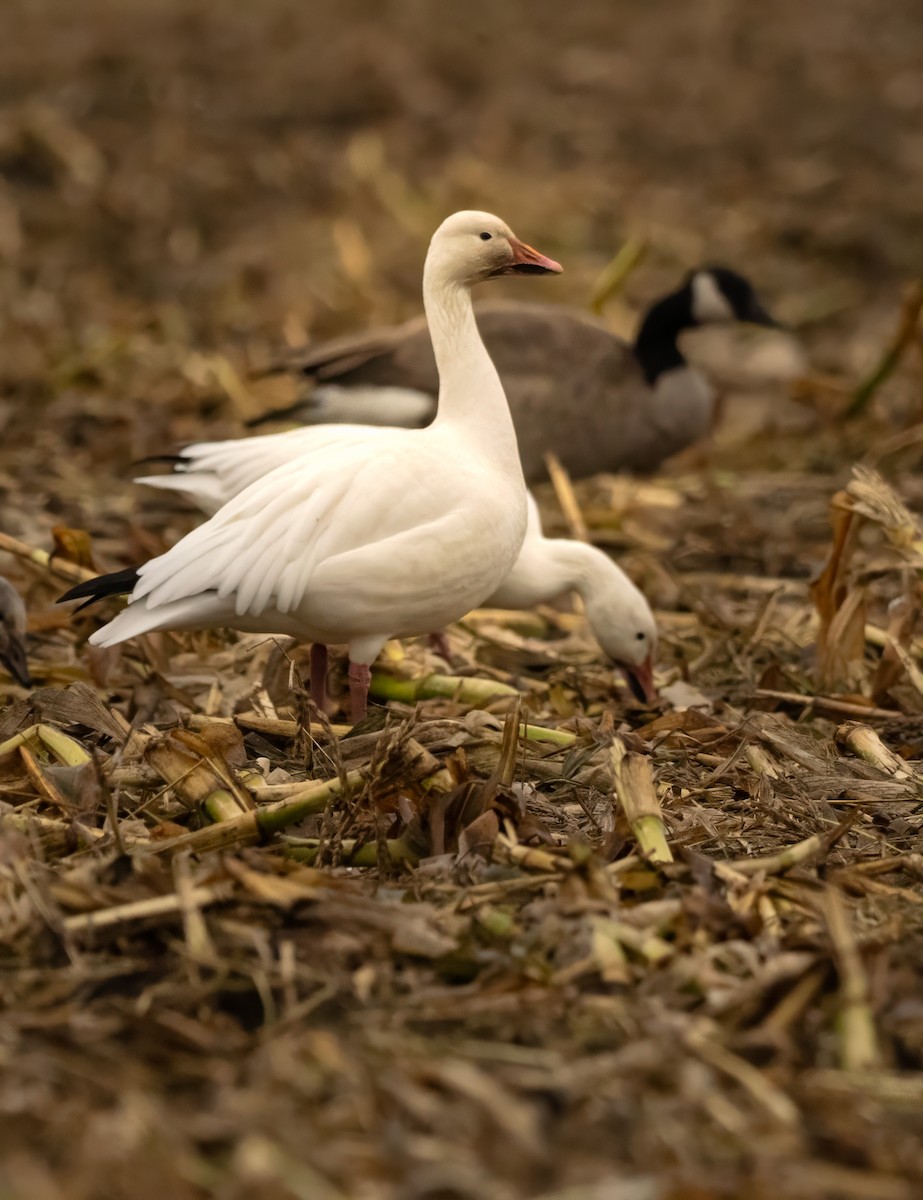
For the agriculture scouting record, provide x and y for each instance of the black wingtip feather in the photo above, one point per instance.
(173, 459)
(117, 583)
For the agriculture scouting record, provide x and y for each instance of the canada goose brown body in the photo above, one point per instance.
(596, 401)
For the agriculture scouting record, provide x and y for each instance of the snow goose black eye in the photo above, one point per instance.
(485, 236)
(640, 636)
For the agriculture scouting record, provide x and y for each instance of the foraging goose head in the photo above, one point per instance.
(13, 634)
(469, 247)
(719, 294)
(625, 628)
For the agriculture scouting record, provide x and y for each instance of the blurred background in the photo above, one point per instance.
(185, 178)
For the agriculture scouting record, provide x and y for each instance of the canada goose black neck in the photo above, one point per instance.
(656, 347)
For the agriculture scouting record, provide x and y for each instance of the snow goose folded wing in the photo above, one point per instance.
(618, 613)
(573, 387)
(212, 473)
(13, 634)
(381, 534)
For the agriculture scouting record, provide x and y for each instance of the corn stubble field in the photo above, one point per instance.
(556, 946)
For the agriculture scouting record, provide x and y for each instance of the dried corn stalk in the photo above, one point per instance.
(633, 781)
(198, 774)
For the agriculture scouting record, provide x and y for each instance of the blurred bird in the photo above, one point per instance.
(601, 404)
(13, 633)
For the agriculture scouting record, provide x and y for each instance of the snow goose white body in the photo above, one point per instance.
(375, 535)
(546, 568)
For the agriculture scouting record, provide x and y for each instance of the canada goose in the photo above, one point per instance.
(601, 404)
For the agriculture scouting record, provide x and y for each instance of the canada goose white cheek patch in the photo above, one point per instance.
(708, 301)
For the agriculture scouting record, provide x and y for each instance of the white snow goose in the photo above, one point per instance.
(601, 404)
(378, 535)
(13, 633)
(618, 613)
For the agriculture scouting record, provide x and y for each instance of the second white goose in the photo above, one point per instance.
(377, 535)
(618, 613)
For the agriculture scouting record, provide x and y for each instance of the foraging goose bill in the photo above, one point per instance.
(640, 680)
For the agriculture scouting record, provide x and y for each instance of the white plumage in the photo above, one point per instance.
(616, 609)
(619, 615)
(377, 533)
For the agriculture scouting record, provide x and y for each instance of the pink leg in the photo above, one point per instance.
(319, 675)
(440, 643)
(360, 676)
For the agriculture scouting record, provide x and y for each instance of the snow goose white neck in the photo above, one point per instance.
(618, 613)
(369, 537)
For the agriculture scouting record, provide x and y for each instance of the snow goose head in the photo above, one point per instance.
(625, 628)
(470, 246)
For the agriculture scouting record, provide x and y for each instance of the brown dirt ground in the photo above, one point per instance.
(185, 187)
